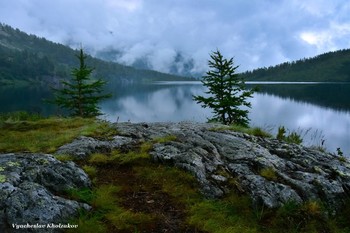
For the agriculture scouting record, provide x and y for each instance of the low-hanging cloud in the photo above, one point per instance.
(256, 33)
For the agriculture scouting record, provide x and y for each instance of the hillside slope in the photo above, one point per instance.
(28, 58)
(327, 67)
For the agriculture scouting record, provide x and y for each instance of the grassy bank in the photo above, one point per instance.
(133, 194)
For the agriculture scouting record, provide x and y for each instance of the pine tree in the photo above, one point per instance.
(81, 95)
(226, 91)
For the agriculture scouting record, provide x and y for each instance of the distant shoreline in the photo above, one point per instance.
(247, 82)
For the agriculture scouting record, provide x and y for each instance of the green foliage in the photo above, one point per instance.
(19, 116)
(27, 60)
(81, 95)
(90, 170)
(293, 137)
(339, 152)
(327, 67)
(88, 222)
(123, 219)
(255, 131)
(84, 195)
(231, 215)
(294, 217)
(105, 197)
(226, 92)
(130, 157)
(98, 158)
(281, 134)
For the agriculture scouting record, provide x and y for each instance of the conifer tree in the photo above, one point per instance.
(226, 92)
(81, 95)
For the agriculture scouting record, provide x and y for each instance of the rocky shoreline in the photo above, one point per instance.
(271, 172)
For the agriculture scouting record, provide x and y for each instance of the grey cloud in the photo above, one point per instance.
(257, 33)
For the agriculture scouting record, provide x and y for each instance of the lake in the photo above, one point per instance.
(317, 111)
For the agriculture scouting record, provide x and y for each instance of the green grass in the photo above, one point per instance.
(20, 133)
(255, 131)
(90, 170)
(98, 158)
(131, 157)
(133, 172)
(232, 214)
(165, 139)
(107, 209)
(64, 158)
(123, 219)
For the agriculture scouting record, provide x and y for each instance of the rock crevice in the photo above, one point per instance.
(297, 173)
(31, 186)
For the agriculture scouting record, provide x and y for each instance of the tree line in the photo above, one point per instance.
(327, 67)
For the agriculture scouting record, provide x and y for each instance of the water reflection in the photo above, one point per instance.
(319, 123)
(167, 102)
(157, 103)
(170, 102)
(330, 95)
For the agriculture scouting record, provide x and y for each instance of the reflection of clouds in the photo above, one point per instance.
(170, 104)
(272, 110)
(175, 104)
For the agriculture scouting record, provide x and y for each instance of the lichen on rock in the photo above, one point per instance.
(299, 173)
(30, 190)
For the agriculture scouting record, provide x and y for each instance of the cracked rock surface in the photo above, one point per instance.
(222, 160)
(30, 189)
(271, 172)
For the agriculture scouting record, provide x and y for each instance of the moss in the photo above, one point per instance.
(42, 161)
(269, 173)
(64, 158)
(2, 178)
(164, 139)
(13, 164)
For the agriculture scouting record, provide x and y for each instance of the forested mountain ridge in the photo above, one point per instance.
(27, 58)
(327, 67)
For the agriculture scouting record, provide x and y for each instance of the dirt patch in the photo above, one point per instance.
(148, 198)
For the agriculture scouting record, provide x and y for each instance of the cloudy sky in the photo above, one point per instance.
(256, 33)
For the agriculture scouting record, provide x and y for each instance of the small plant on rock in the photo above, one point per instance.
(293, 137)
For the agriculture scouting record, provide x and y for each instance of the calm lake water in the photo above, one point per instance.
(316, 111)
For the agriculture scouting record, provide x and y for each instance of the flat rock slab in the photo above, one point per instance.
(219, 158)
(83, 146)
(30, 189)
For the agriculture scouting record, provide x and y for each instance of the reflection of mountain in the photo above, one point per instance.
(335, 96)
